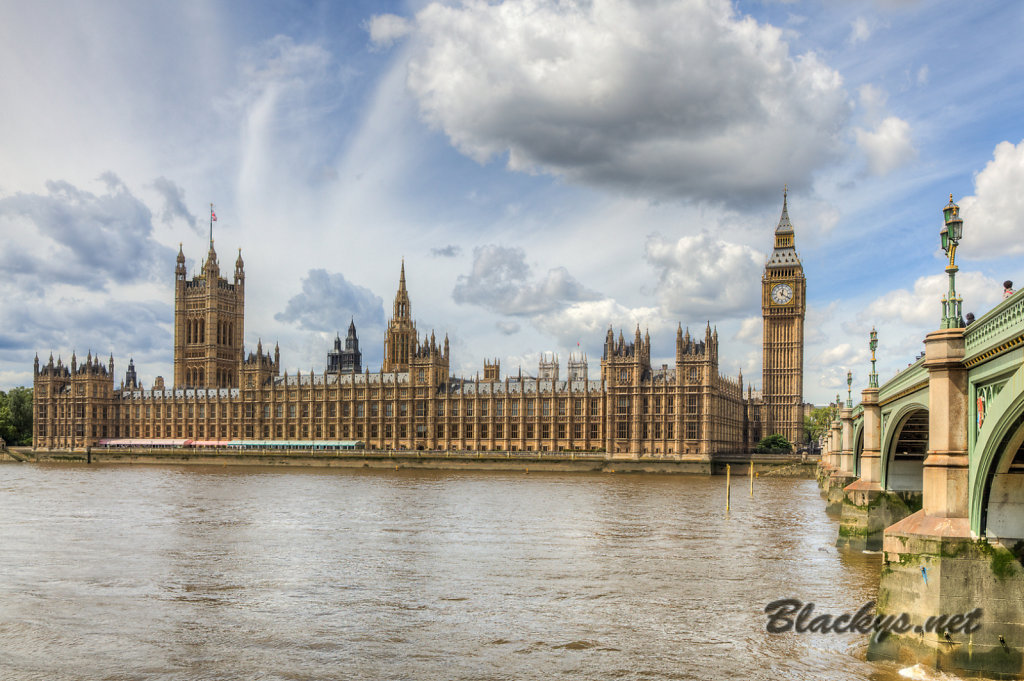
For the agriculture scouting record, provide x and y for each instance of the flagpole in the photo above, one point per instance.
(211, 225)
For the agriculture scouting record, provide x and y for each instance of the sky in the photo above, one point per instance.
(545, 169)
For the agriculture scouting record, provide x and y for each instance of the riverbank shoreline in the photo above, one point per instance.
(478, 461)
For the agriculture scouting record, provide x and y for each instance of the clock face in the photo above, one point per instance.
(782, 294)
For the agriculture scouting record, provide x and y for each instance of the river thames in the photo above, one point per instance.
(139, 572)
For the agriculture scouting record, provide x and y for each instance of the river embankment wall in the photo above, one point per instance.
(494, 461)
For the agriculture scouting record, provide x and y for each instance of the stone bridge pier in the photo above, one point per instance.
(836, 470)
(940, 485)
(843, 471)
(934, 565)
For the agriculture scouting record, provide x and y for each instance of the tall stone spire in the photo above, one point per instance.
(784, 227)
(401, 339)
(784, 254)
(179, 269)
(402, 308)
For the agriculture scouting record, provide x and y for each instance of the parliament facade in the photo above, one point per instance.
(221, 395)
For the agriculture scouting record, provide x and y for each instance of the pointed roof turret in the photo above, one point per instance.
(402, 308)
(784, 253)
(211, 268)
(131, 379)
(785, 226)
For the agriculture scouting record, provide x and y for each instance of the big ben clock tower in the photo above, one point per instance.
(783, 304)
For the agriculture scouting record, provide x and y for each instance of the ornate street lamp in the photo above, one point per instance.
(849, 388)
(873, 377)
(949, 237)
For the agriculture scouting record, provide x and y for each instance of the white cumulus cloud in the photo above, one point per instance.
(386, 29)
(888, 146)
(994, 215)
(503, 282)
(921, 307)
(672, 99)
(701, 276)
(859, 30)
(587, 320)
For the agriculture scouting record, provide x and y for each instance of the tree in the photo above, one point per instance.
(16, 416)
(773, 444)
(819, 421)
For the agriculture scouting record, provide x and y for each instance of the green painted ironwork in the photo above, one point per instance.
(873, 344)
(949, 236)
(1001, 324)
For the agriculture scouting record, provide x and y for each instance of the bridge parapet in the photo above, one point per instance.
(910, 380)
(996, 331)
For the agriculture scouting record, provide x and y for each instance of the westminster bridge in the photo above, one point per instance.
(929, 468)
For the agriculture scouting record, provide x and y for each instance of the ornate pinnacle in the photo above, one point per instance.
(949, 237)
(873, 344)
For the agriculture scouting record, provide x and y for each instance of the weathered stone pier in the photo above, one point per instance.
(929, 467)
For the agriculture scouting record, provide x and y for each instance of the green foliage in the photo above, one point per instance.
(819, 421)
(773, 444)
(1001, 561)
(16, 416)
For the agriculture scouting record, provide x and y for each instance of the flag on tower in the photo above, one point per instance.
(213, 216)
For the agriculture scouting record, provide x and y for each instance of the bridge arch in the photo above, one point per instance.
(997, 482)
(858, 445)
(904, 448)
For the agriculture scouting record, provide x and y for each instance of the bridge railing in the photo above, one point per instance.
(1003, 324)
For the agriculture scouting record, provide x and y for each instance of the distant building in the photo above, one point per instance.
(349, 360)
(682, 410)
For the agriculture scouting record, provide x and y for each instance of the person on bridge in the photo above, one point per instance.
(1007, 289)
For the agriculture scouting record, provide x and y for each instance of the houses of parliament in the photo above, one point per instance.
(220, 394)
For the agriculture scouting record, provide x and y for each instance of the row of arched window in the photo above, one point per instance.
(196, 377)
(195, 331)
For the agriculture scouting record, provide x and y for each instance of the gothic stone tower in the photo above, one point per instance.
(400, 344)
(349, 360)
(783, 304)
(209, 323)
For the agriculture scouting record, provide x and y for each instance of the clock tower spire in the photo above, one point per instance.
(783, 305)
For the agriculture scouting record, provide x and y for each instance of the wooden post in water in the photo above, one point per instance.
(751, 477)
(728, 485)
